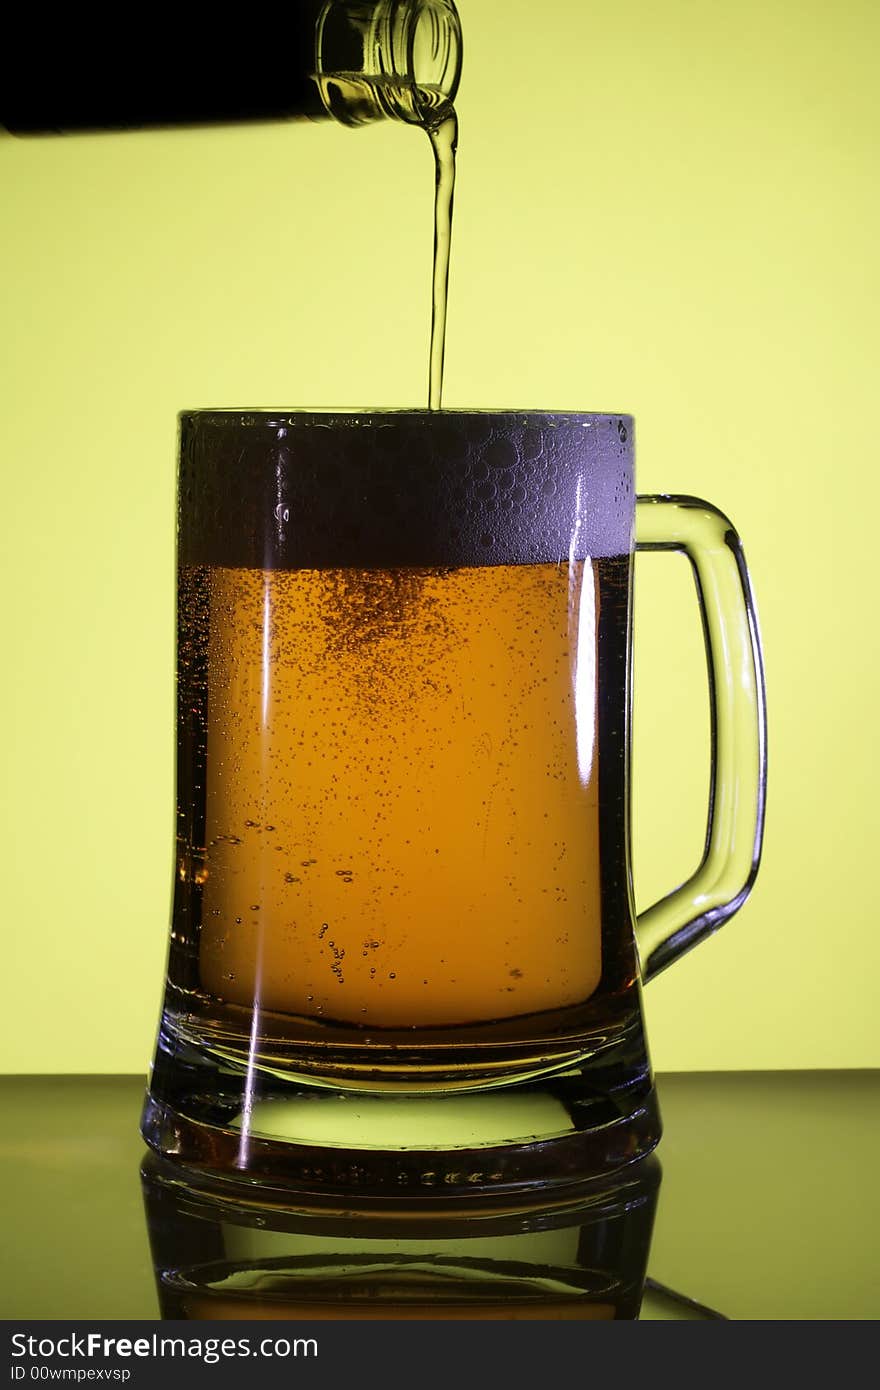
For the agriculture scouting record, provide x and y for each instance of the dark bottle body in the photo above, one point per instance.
(80, 76)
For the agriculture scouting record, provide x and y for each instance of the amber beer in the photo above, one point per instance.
(402, 744)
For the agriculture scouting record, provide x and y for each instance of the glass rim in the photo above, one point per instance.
(291, 415)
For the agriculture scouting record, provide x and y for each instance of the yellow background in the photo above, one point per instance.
(669, 209)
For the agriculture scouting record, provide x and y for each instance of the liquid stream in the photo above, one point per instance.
(444, 142)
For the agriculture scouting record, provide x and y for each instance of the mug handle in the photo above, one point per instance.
(738, 779)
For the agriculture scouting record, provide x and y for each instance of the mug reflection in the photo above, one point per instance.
(222, 1253)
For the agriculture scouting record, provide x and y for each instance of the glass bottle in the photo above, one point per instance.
(353, 61)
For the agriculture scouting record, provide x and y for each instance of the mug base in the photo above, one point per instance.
(544, 1134)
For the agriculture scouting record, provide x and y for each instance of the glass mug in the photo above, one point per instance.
(403, 869)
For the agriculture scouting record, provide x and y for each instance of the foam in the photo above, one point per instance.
(381, 489)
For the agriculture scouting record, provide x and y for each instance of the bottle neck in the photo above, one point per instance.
(381, 59)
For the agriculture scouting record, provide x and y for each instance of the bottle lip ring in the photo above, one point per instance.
(445, 15)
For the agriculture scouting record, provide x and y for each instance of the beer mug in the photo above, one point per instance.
(403, 868)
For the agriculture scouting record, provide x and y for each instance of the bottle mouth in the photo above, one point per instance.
(434, 48)
(397, 59)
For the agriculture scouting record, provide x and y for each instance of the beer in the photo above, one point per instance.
(401, 786)
(443, 134)
(400, 821)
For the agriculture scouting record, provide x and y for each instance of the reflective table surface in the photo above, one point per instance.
(767, 1209)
